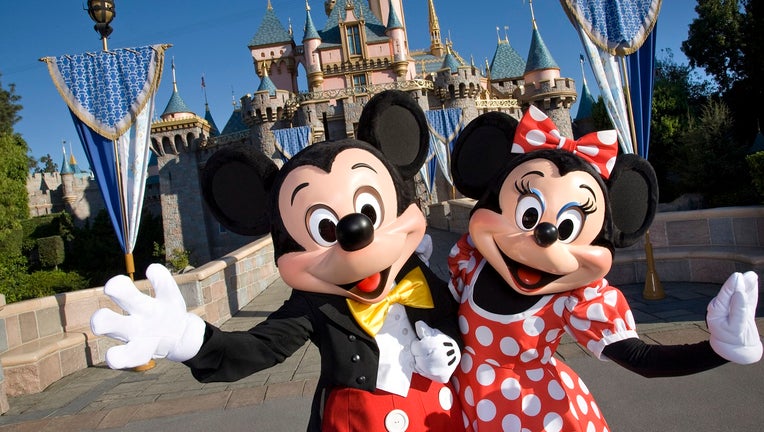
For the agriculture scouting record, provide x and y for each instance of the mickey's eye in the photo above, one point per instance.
(569, 224)
(367, 202)
(528, 212)
(322, 226)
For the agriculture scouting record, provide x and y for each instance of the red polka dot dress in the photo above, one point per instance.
(508, 379)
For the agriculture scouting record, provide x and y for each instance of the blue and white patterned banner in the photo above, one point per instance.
(110, 95)
(289, 141)
(444, 126)
(617, 27)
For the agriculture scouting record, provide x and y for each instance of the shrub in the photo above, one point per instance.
(756, 166)
(51, 251)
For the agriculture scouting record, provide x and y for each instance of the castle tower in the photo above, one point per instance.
(67, 184)
(458, 85)
(310, 41)
(584, 123)
(396, 31)
(505, 73)
(263, 111)
(544, 87)
(436, 45)
(273, 49)
(214, 131)
(177, 139)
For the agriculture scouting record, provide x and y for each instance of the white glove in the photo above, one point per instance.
(436, 355)
(731, 322)
(156, 327)
(424, 249)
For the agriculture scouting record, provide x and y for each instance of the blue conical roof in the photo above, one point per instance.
(208, 117)
(176, 105)
(539, 57)
(585, 104)
(271, 31)
(331, 36)
(506, 62)
(235, 123)
(450, 61)
(65, 167)
(266, 84)
(310, 28)
(393, 22)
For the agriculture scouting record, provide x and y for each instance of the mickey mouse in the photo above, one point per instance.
(541, 238)
(345, 232)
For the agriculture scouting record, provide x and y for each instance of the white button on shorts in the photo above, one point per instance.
(396, 421)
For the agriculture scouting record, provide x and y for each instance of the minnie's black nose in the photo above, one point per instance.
(545, 234)
(355, 231)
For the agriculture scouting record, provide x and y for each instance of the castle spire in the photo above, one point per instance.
(436, 46)
(174, 82)
(533, 15)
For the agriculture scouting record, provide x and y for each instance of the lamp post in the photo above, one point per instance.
(102, 12)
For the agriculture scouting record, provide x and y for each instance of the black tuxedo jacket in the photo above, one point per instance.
(349, 356)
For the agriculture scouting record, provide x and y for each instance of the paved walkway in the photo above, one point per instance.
(167, 397)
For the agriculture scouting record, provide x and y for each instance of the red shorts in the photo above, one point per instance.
(429, 406)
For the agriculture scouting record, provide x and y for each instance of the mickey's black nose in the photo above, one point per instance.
(545, 234)
(355, 231)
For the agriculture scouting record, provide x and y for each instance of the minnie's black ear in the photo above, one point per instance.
(483, 148)
(236, 182)
(395, 124)
(633, 190)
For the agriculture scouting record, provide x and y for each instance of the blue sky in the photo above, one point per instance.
(211, 38)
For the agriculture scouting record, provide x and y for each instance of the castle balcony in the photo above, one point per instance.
(367, 90)
(357, 65)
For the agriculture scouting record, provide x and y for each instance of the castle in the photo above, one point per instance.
(362, 49)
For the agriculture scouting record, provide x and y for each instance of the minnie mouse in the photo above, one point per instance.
(344, 232)
(549, 215)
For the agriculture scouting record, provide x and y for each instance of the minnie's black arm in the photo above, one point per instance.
(653, 361)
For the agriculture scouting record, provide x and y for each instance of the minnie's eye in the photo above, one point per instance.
(322, 226)
(528, 212)
(368, 203)
(569, 224)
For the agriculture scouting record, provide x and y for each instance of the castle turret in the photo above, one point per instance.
(273, 50)
(506, 70)
(544, 87)
(436, 44)
(67, 183)
(310, 42)
(395, 31)
(263, 111)
(458, 85)
(584, 123)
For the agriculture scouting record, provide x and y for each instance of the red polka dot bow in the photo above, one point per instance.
(536, 131)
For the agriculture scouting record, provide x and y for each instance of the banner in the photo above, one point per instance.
(289, 141)
(641, 81)
(110, 95)
(444, 125)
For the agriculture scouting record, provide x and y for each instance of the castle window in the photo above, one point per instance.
(354, 40)
(359, 82)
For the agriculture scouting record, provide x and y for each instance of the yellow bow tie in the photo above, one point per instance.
(412, 291)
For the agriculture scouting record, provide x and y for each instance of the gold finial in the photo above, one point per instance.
(498, 36)
(506, 33)
(307, 6)
(533, 15)
(270, 7)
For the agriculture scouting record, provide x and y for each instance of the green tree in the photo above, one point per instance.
(13, 179)
(48, 165)
(9, 108)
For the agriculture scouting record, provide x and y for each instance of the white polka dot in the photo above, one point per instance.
(559, 306)
(552, 335)
(588, 150)
(573, 410)
(567, 380)
(486, 410)
(466, 363)
(547, 355)
(529, 355)
(611, 298)
(464, 325)
(553, 361)
(594, 346)
(468, 397)
(555, 390)
(630, 320)
(596, 312)
(571, 303)
(517, 149)
(493, 362)
(590, 293)
(535, 374)
(583, 386)
(535, 137)
(465, 419)
(511, 423)
(610, 164)
(509, 346)
(596, 409)
(531, 405)
(556, 133)
(456, 384)
(485, 375)
(536, 113)
(552, 422)
(582, 405)
(533, 326)
(607, 137)
(446, 398)
(510, 389)
(620, 325)
(591, 428)
(484, 335)
(580, 324)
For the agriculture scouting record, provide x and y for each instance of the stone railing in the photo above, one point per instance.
(688, 246)
(45, 339)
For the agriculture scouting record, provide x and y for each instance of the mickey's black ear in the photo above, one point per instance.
(633, 190)
(395, 124)
(483, 148)
(236, 182)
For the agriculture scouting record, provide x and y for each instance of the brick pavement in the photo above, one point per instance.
(99, 398)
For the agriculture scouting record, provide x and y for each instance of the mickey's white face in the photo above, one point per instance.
(541, 242)
(346, 220)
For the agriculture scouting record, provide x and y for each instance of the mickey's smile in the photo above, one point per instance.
(528, 278)
(369, 287)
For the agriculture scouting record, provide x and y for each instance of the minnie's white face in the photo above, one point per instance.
(346, 220)
(541, 242)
